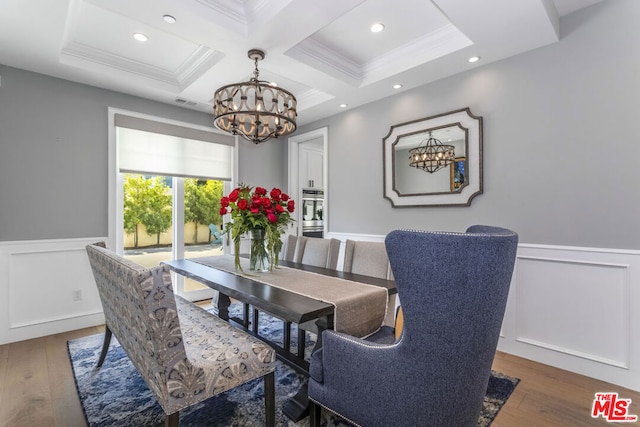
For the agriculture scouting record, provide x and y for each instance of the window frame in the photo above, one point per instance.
(115, 206)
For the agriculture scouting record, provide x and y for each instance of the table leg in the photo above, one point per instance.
(322, 324)
(297, 407)
(221, 303)
(286, 344)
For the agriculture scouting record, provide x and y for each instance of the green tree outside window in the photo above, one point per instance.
(202, 203)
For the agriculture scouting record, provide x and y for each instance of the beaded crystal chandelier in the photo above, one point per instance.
(256, 110)
(431, 155)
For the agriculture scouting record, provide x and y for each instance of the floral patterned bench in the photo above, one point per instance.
(184, 353)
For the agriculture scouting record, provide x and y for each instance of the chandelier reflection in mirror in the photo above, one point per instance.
(256, 110)
(431, 155)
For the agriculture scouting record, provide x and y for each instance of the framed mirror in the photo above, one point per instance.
(435, 161)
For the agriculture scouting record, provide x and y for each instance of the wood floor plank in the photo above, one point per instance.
(27, 400)
(4, 355)
(66, 404)
(548, 396)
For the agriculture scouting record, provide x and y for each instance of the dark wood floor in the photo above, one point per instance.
(37, 389)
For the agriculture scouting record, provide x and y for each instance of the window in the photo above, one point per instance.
(163, 174)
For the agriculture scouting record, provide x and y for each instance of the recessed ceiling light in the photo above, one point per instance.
(474, 59)
(377, 27)
(343, 105)
(140, 37)
(169, 19)
(397, 86)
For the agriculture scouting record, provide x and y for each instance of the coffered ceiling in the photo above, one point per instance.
(321, 51)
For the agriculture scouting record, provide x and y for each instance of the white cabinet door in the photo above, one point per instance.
(311, 170)
(315, 168)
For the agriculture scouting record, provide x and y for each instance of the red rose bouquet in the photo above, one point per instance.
(261, 214)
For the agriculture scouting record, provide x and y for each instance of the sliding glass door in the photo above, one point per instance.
(162, 211)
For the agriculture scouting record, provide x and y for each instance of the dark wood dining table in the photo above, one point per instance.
(284, 304)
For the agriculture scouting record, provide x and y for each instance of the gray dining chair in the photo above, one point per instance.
(318, 252)
(453, 288)
(289, 250)
(370, 259)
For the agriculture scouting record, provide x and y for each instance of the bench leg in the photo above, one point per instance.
(270, 399)
(172, 420)
(105, 346)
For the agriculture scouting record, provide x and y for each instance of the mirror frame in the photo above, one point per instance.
(463, 118)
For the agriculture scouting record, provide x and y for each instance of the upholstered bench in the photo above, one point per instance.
(184, 353)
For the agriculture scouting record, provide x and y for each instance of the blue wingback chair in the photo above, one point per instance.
(453, 288)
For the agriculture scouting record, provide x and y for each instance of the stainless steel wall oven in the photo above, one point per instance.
(312, 212)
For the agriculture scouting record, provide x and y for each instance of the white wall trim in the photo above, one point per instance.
(38, 280)
(574, 308)
(534, 246)
(623, 308)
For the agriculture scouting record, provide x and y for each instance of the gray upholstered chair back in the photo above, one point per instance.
(290, 248)
(453, 288)
(367, 258)
(318, 252)
(370, 259)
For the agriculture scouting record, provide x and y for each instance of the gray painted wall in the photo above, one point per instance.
(53, 155)
(560, 141)
(551, 117)
(263, 165)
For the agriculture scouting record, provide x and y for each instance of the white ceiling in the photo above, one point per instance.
(321, 51)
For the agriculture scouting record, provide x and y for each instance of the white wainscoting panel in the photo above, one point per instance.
(46, 287)
(585, 306)
(577, 309)
(574, 308)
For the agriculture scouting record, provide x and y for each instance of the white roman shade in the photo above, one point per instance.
(156, 148)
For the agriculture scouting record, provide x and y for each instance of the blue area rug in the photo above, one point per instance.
(116, 395)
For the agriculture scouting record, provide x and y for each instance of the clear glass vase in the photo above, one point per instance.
(259, 255)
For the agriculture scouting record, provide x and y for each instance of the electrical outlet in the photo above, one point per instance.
(77, 295)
